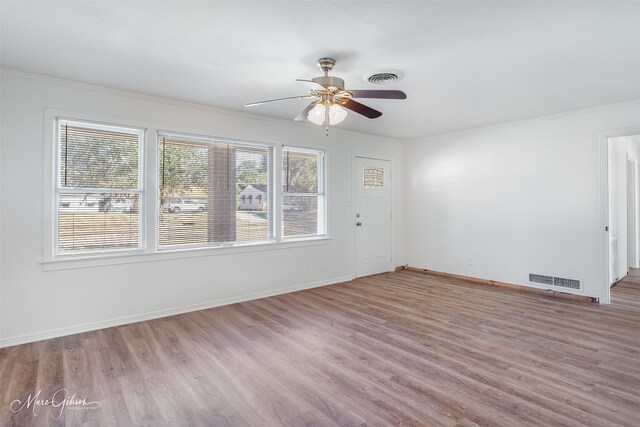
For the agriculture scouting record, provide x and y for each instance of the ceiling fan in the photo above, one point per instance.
(331, 98)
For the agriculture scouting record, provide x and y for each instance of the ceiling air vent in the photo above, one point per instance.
(382, 78)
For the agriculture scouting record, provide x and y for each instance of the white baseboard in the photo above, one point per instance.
(61, 332)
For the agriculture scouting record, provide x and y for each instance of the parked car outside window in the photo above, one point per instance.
(120, 205)
(185, 206)
(289, 207)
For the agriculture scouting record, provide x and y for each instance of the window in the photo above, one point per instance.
(373, 177)
(108, 198)
(207, 189)
(303, 199)
(98, 187)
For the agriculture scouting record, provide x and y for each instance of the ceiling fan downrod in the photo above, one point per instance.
(326, 118)
(330, 83)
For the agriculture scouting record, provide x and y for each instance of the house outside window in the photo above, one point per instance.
(253, 197)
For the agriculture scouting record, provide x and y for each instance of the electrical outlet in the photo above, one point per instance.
(469, 260)
(306, 266)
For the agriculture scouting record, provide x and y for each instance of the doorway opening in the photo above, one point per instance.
(623, 158)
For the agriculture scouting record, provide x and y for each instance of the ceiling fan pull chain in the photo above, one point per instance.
(326, 118)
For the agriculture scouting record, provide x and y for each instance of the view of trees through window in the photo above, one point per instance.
(302, 193)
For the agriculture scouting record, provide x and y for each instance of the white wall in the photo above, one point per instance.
(37, 304)
(517, 198)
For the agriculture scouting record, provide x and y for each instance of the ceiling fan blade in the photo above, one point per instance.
(310, 81)
(361, 109)
(304, 113)
(278, 99)
(382, 94)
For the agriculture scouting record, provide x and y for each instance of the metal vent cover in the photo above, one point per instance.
(566, 283)
(560, 282)
(539, 278)
(382, 78)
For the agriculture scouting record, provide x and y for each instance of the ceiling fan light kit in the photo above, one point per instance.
(336, 114)
(332, 99)
(317, 113)
(322, 110)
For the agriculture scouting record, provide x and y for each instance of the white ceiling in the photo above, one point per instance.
(465, 64)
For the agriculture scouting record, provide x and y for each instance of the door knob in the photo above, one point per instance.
(358, 224)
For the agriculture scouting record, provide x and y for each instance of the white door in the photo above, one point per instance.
(373, 216)
(613, 259)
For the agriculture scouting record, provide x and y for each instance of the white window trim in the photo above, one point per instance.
(150, 205)
(50, 176)
(207, 141)
(164, 255)
(58, 189)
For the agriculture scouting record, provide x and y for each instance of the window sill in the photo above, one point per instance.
(162, 255)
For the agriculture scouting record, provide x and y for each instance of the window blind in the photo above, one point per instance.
(98, 189)
(213, 192)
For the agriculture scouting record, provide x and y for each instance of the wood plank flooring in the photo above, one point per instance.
(401, 348)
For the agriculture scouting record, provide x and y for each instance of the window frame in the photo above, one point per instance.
(148, 170)
(321, 193)
(206, 140)
(58, 189)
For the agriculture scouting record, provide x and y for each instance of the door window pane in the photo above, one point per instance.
(373, 177)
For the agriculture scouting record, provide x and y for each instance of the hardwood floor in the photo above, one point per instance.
(401, 348)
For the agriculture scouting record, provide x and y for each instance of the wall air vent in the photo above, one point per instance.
(554, 281)
(539, 278)
(566, 283)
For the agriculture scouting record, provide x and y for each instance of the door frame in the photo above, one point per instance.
(603, 211)
(354, 182)
(631, 213)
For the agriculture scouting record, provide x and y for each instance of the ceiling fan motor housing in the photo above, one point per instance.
(330, 82)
